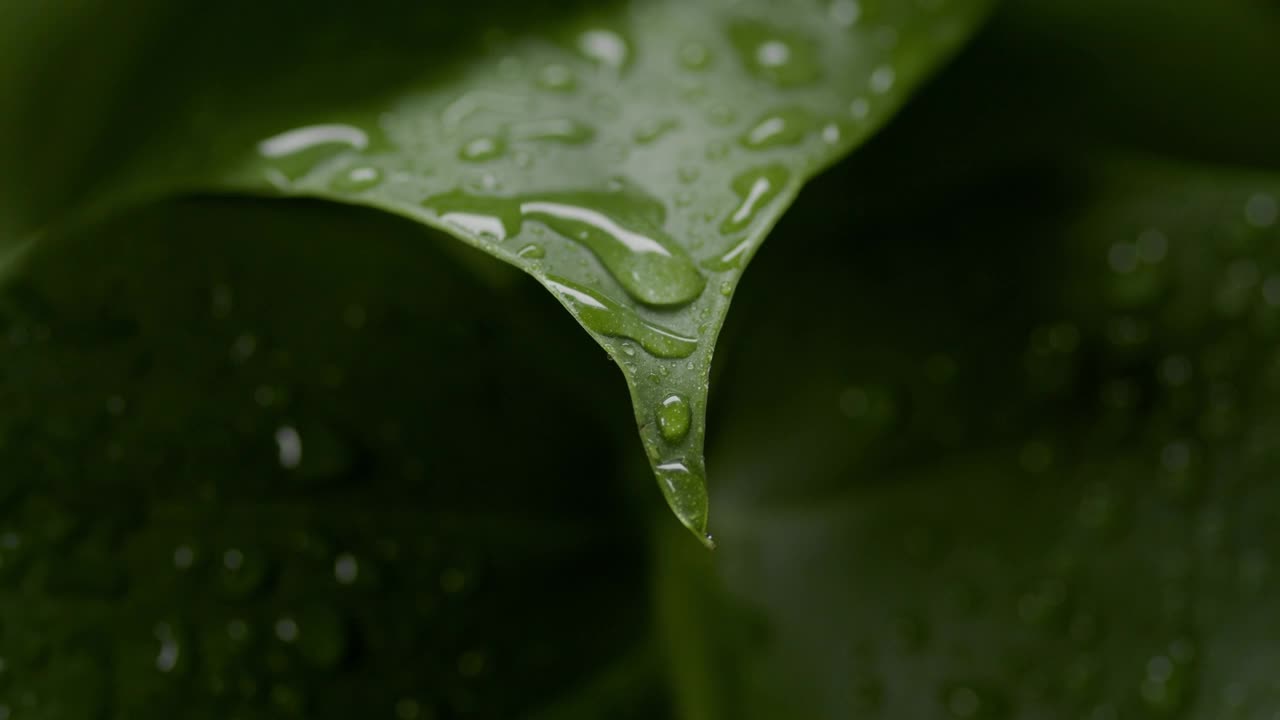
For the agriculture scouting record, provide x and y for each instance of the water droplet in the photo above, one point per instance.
(610, 318)
(605, 47)
(684, 486)
(482, 149)
(296, 152)
(346, 569)
(286, 629)
(673, 418)
(1152, 246)
(1261, 210)
(726, 288)
(1167, 685)
(623, 229)
(651, 130)
(183, 557)
(357, 179)
(170, 650)
(242, 572)
(882, 79)
(859, 108)
(844, 13)
(557, 130)
(831, 133)
(289, 446)
(532, 252)
(557, 78)
(721, 114)
(694, 56)
(780, 128)
(755, 188)
(785, 59)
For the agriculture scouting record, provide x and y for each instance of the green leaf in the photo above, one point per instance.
(630, 157)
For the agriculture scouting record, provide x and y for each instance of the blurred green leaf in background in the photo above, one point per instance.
(990, 432)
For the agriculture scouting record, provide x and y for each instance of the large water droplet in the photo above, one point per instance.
(608, 317)
(784, 58)
(755, 188)
(787, 126)
(294, 153)
(673, 418)
(684, 486)
(622, 228)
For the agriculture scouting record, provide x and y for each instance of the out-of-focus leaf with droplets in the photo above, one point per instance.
(629, 156)
(261, 483)
(1035, 480)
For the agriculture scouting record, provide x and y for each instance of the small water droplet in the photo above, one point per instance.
(624, 229)
(1152, 246)
(882, 79)
(787, 126)
(726, 288)
(557, 78)
(289, 446)
(482, 149)
(651, 130)
(183, 557)
(170, 650)
(610, 318)
(1261, 210)
(286, 629)
(694, 56)
(346, 569)
(557, 130)
(605, 47)
(357, 179)
(785, 59)
(674, 418)
(844, 13)
(755, 188)
(859, 108)
(532, 252)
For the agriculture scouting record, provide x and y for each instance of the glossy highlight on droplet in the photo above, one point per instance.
(609, 317)
(674, 418)
(756, 189)
(482, 149)
(622, 228)
(605, 47)
(357, 179)
(296, 152)
(780, 128)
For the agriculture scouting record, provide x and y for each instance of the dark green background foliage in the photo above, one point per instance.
(992, 428)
